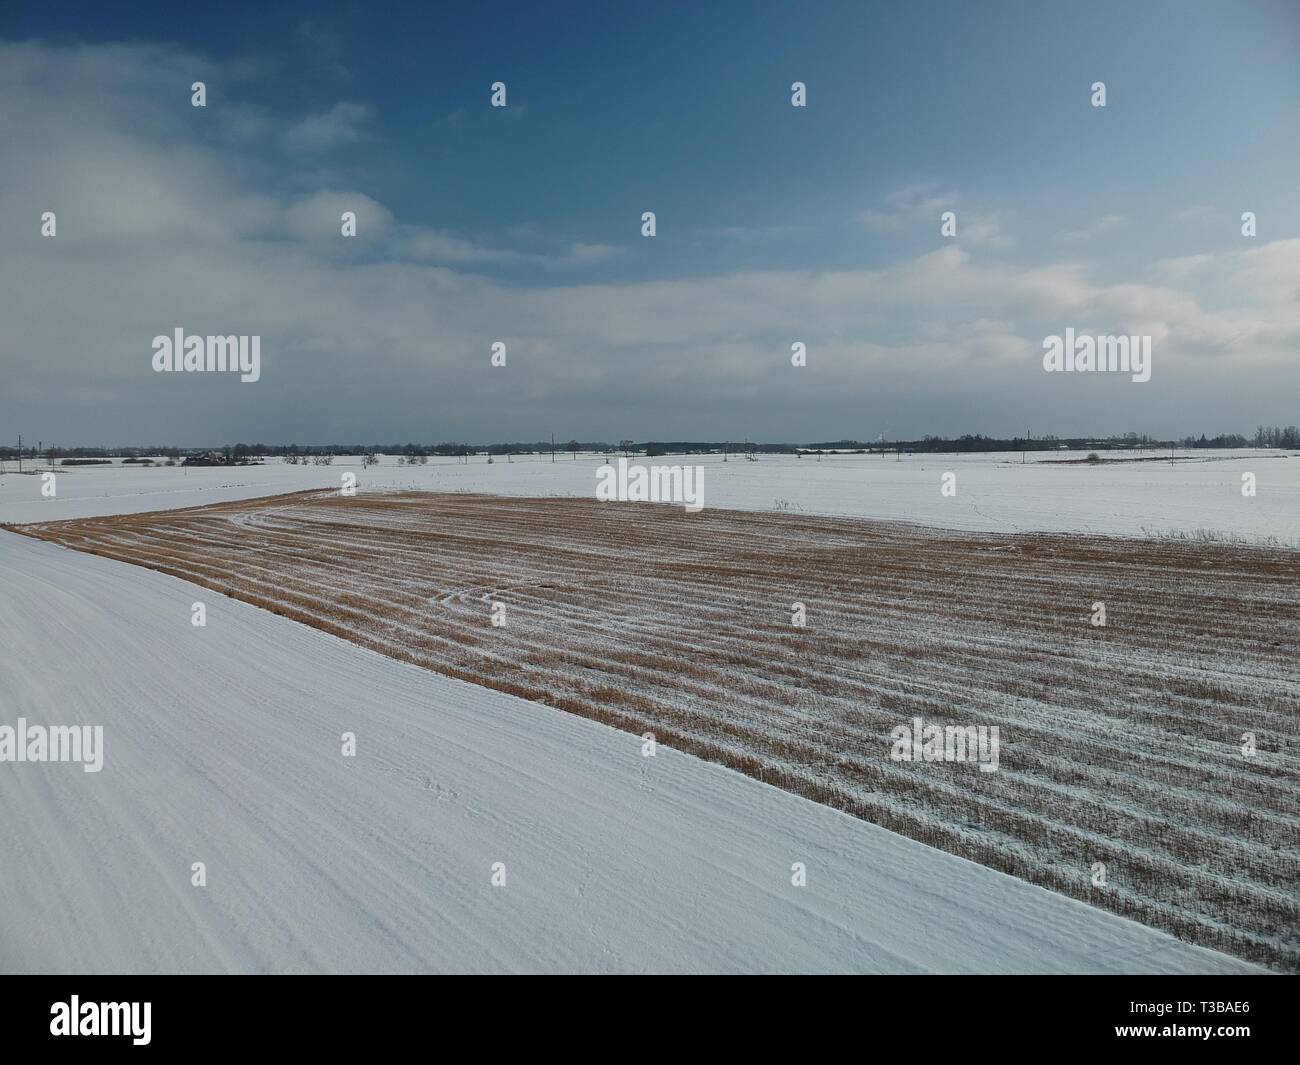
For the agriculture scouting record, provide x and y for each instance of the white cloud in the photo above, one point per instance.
(341, 124)
(1180, 269)
(318, 217)
(983, 231)
(922, 203)
(158, 229)
(1093, 229)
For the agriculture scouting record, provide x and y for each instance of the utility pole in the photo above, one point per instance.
(20, 452)
(552, 448)
(1023, 449)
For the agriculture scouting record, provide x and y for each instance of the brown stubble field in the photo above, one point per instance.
(1119, 744)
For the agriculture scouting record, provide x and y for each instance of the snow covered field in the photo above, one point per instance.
(995, 493)
(222, 746)
(1119, 743)
(228, 753)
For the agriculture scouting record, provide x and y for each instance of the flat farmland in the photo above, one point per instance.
(1119, 744)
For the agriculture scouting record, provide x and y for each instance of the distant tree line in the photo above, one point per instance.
(1276, 437)
(33, 450)
(1283, 438)
(241, 453)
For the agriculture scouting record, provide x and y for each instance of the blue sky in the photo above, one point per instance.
(774, 223)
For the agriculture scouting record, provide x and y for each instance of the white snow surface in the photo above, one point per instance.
(995, 492)
(222, 745)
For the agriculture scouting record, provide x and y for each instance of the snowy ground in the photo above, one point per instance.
(222, 745)
(647, 617)
(995, 493)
